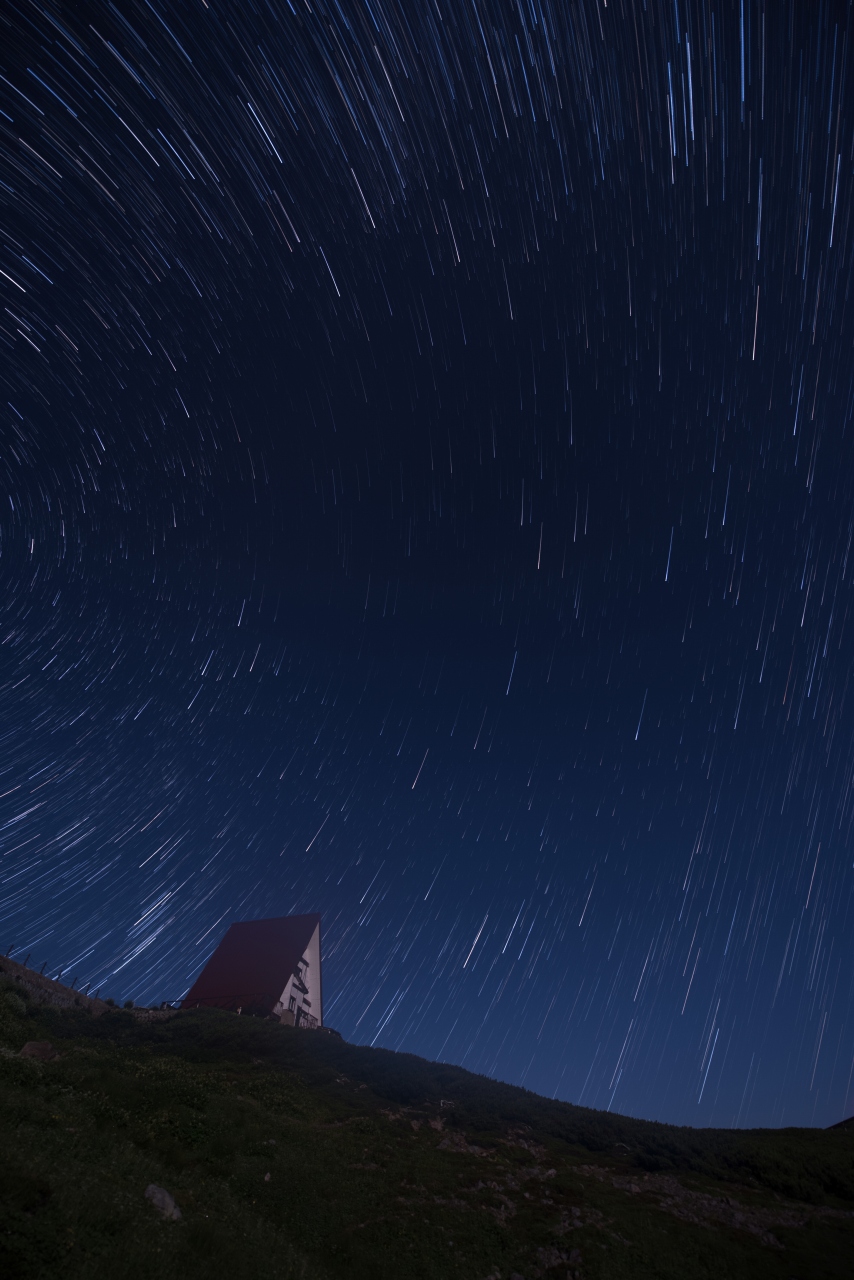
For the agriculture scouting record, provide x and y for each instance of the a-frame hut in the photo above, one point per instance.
(265, 967)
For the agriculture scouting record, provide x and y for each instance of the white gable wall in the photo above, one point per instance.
(301, 1002)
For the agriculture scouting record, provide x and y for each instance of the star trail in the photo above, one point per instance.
(428, 470)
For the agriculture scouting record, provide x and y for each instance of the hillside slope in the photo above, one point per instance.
(294, 1154)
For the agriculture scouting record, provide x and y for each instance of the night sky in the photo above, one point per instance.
(427, 467)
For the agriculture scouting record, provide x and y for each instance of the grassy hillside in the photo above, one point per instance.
(293, 1154)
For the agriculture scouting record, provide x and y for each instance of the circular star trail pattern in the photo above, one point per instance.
(428, 461)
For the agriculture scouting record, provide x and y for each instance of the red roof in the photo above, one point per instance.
(253, 964)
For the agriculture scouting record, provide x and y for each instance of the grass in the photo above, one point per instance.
(294, 1154)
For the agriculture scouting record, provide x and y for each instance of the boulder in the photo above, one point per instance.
(162, 1202)
(41, 1050)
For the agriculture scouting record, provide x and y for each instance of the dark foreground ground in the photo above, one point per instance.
(294, 1154)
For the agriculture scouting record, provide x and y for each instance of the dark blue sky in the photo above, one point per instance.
(427, 455)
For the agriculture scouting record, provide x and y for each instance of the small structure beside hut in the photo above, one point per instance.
(269, 968)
